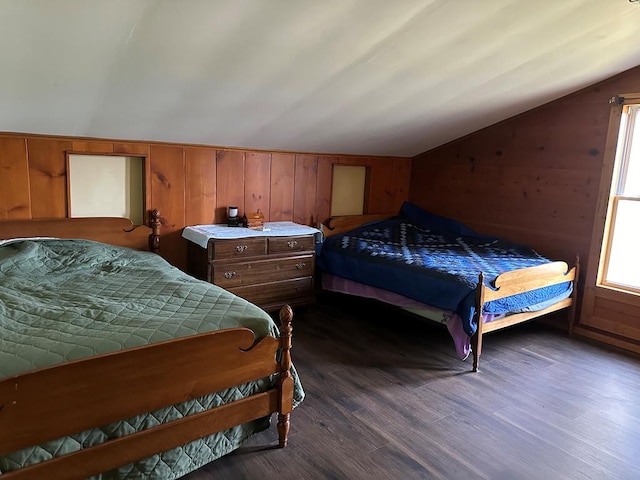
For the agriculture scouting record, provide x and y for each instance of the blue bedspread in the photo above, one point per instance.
(434, 262)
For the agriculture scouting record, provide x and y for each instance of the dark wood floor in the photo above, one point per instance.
(388, 399)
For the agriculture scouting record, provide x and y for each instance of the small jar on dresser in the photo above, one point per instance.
(270, 267)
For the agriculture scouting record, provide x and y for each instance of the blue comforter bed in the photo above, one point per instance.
(435, 260)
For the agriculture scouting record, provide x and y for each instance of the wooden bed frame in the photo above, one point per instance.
(57, 401)
(505, 285)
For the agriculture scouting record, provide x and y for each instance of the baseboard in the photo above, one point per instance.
(605, 337)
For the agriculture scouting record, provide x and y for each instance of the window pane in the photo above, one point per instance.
(631, 185)
(624, 258)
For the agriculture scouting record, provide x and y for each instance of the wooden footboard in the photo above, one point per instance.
(54, 402)
(520, 281)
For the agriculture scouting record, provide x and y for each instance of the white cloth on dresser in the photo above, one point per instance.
(200, 234)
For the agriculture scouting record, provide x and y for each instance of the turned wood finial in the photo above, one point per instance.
(328, 225)
(154, 237)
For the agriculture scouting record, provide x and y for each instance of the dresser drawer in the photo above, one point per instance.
(277, 292)
(235, 274)
(237, 248)
(291, 244)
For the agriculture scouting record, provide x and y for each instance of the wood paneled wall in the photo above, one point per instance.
(194, 184)
(533, 179)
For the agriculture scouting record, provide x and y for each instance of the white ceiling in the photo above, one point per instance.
(388, 77)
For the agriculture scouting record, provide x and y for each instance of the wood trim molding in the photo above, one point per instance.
(600, 227)
(607, 338)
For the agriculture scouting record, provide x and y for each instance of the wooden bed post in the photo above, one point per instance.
(154, 237)
(286, 379)
(476, 342)
(574, 295)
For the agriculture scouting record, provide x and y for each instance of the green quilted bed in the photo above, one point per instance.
(62, 300)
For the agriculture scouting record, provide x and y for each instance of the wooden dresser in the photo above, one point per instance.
(268, 270)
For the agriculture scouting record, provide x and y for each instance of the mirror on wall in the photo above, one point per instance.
(105, 186)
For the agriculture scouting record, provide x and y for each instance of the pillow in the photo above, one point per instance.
(7, 241)
(432, 221)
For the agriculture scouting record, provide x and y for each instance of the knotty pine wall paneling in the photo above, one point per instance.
(15, 201)
(381, 182)
(200, 185)
(400, 179)
(324, 180)
(230, 178)
(48, 176)
(167, 168)
(282, 187)
(305, 187)
(194, 184)
(257, 183)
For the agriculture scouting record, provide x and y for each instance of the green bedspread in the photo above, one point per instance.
(62, 300)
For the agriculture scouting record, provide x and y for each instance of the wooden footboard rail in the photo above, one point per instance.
(520, 281)
(61, 400)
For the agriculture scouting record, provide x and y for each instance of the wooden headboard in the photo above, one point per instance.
(343, 223)
(111, 230)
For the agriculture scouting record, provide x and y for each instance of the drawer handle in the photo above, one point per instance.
(229, 275)
(241, 248)
(301, 265)
(292, 243)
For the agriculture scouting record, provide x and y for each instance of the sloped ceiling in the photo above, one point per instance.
(347, 76)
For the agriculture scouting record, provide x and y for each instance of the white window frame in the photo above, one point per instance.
(630, 115)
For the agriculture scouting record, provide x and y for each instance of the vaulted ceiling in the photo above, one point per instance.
(347, 76)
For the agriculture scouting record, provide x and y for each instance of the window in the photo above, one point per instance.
(620, 255)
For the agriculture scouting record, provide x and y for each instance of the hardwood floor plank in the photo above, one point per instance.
(584, 440)
(501, 450)
(374, 388)
(410, 432)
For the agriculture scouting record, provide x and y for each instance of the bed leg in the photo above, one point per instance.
(476, 340)
(476, 344)
(283, 429)
(574, 296)
(286, 378)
